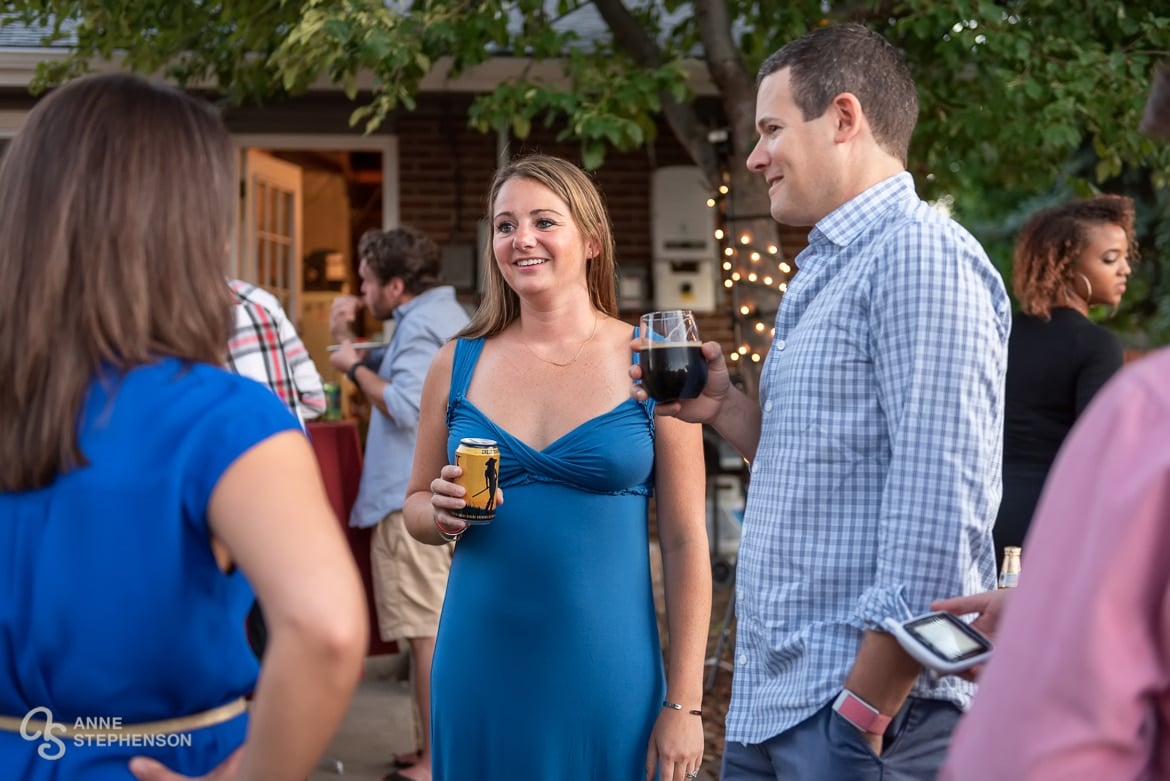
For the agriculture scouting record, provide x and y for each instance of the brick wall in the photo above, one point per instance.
(444, 172)
(446, 168)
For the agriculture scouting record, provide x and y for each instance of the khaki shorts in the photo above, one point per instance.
(409, 580)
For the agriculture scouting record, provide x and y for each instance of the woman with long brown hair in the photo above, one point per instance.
(547, 662)
(144, 490)
(1068, 258)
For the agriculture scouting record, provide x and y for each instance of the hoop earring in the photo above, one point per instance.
(1088, 287)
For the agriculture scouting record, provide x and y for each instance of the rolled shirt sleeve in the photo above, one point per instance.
(940, 352)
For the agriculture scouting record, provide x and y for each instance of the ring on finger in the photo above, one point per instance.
(692, 774)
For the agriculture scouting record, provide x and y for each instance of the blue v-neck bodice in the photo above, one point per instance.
(611, 453)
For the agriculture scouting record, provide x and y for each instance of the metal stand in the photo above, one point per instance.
(716, 661)
(722, 570)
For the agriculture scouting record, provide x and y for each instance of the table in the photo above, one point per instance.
(338, 447)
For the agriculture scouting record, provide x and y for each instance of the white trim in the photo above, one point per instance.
(11, 122)
(387, 145)
(18, 66)
(490, 73)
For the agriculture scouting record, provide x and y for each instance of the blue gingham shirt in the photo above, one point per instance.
(877, 476)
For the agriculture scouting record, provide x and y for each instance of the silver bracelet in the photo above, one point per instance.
(446, 535)
(676, 706)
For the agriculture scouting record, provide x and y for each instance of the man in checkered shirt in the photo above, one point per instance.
(875, 445)
(265, 347)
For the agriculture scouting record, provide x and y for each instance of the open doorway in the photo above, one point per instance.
(304, 202)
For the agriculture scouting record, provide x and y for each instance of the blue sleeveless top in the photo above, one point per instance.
(548, 662)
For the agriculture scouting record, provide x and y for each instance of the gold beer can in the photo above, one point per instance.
(480, 461)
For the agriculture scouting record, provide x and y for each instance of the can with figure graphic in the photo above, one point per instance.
(480, 461)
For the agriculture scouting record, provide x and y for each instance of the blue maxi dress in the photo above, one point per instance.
(548, 663)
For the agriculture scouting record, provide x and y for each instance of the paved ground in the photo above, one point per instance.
(380, 721)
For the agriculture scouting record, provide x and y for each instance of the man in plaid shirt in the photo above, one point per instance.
(265, 347)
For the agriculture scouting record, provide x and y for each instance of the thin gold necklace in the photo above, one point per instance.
(576, 355)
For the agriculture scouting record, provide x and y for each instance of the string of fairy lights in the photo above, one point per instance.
(756, 277)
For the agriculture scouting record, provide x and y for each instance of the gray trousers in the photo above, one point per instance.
(825, 747)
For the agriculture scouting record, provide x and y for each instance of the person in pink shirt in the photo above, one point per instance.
(1078, 686)
(1079, 682)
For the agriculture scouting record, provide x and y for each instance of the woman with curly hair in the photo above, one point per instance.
(1068, 258)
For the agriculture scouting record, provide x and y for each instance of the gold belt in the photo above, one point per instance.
(190, 723)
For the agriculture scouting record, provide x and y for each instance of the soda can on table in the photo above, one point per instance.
(480, 461)
(332, 401)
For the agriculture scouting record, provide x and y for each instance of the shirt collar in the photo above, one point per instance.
(441, 291)
(849, 220)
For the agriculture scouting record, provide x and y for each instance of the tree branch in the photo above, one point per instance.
(684, 122)
(737, 87)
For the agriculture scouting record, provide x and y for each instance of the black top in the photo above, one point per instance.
(1054, 370)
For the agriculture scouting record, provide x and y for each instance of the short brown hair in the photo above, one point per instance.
(117, 203)
(501, 305)
(1051, 241)
(852, 58)
(404, 253)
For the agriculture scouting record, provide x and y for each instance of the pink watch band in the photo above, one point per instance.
(860, 713)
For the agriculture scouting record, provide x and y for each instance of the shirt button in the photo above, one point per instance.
(743, 658)
(780, 345)
(768, 406)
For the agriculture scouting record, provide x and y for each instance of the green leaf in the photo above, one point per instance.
(592, 155)
(521, 126)
(335, 28)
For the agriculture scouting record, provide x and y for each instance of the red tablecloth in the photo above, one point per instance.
(339, 454)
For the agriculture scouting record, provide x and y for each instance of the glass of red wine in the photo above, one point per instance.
(671, 357)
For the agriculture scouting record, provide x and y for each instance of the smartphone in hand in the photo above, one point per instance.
(941, 641)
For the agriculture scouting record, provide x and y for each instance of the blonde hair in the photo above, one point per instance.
(501, 305)
(117, 203)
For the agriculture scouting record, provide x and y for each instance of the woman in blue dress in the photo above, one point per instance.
(548, 663)
(144, 490)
